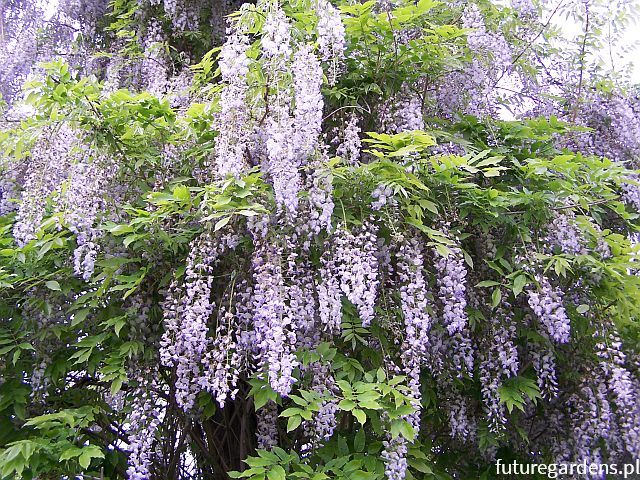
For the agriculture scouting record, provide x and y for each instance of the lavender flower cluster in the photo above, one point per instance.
(49, 167)
(451, 281)
(331, 36)
(413, 290)
(351, 269)
(231, 143)
(349, 148)
(273, 321)
(146, 416)
(500, 363)
(547, 305)
(563, 233)
(185, 343)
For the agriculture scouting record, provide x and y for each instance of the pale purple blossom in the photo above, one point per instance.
(546, 303)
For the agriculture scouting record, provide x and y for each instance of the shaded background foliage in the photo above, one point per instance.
(315, 240)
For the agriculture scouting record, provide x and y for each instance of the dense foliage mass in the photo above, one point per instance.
(313, 239)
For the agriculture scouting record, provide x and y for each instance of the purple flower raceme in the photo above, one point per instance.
(458, 350)
(329, 293)
(184, 14)
(301, 301)
(320, 188)
(563, 233)
(524, 8)
(222, 360)
(544, 364)
(276, 39)
(267, 431)
(39, 381)
(283, 165)
(546, 303)
(472, 90)
(394, 456)
(353, 265)
(349, 148)
(155, 65)
(403, 113)
(320, 429)
(383, 195)
(8, 195)
(591, 419)
(273, 321)
(451, 280)
(231, 143)
(614, 127)
(307, 84)
(146, 415)
(331, 36)
(49, 165)
(500, 363)
(185, 342)
(463, 426)
(413, 290)
(631, 193)
(481, 41)
(621, 388)
(82, 203)
(417, 323)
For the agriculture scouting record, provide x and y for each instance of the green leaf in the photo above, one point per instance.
(496, 296)
(53, 285)
(116, 385)
(181, 192)
(359, 440)
(347, 405)
(362, 475)
(79, 316)
(406, 430)
(518, 284)
(69, 453)
(262, 394)
(291, 411)
(118, 230)
(360, 415)
(420, 466)
(7, 349)
(294, 422)
(276, 473)
(583, 308)
(92, 451)
(221, 223)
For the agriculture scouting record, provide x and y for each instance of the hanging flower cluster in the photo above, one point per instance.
(564, 234)
(231, 144)
(50, 160)
(547, 305)
(353, 267)
(499, 364)
(267, 431)
(83, 202)
(350, 146)
(185, 342)
(273, 320)
(331, 36)
(452, 278)
(146, 416)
